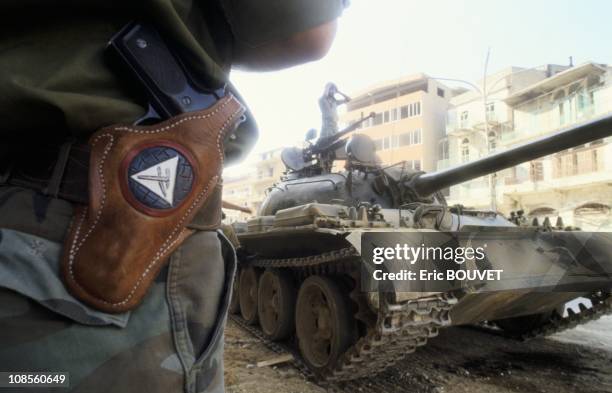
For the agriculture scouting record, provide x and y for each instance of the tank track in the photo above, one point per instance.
(399, 328)
(364, 385)
(602, 305)
(275, 347)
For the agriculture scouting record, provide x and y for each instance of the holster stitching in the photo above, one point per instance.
(170, 126)
(74, 249)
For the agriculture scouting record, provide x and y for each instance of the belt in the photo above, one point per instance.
(56, 170)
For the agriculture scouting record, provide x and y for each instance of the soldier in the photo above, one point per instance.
(329, 109)
(57, 90)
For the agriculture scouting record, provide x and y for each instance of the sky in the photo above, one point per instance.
(380, 40)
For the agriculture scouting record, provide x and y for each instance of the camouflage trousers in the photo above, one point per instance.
(172, 342)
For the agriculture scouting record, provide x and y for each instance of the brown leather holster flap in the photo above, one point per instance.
(146, 184)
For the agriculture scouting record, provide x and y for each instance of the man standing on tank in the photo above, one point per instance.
(328, 103)
(57, 89)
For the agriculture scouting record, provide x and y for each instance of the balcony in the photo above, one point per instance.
(578, 162)
(543, 115)
(472, 124)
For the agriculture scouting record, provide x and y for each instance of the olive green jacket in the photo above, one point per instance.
(55, 80)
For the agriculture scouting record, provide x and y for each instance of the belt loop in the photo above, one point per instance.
(59, 169)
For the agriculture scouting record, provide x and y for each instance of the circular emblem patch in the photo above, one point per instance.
(159, 177)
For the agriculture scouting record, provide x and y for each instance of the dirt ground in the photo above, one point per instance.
(459, 360)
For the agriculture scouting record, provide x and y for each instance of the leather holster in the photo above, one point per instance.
(146, 184)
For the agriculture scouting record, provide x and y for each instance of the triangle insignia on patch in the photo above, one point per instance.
(160, 179)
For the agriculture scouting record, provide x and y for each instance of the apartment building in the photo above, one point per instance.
(409, 120)
(476, 121)
(527, 104)
(248, 189)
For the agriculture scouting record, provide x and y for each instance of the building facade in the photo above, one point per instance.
(248, 189)
(408, 122)
(524, 104)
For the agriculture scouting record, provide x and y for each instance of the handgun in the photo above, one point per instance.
(169, 89)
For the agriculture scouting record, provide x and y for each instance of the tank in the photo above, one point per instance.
(301, 272)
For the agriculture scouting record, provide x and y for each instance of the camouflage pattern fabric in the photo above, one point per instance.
(173, 342)
(230, 233)
(57, 84)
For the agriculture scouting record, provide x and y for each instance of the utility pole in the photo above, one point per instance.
(492, 176)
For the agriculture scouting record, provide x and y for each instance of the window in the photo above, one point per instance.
(395, 141)
(386, 117)
(415, 109)
(386, 143)
(410, 110)
(561, 113)
(463, 119)
(490, 111)
(443, 152)
(409, 138)
(465, 150)
(583, 103)
(394, 114)
(405, 139)
(416, 136)
(378, 119)
(440, 92)
(492, 140)
(414, 164)
(536, 171)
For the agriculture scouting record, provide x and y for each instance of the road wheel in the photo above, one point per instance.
(276, 304)
(324, 324)
(247, 293)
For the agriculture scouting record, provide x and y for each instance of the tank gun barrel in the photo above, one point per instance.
(426, 184)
